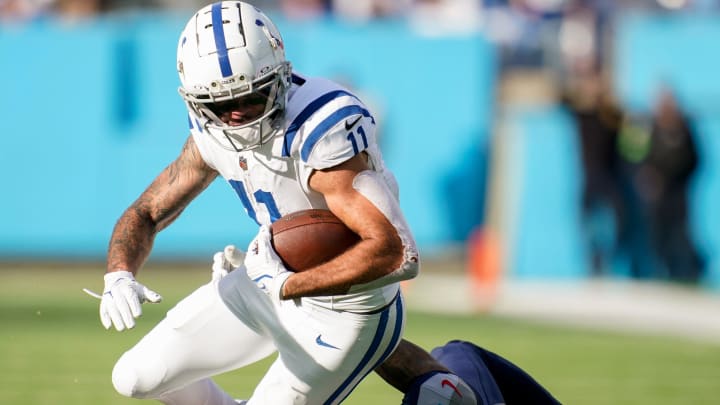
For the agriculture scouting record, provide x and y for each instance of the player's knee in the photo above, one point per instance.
(135, 378)
(467, 394)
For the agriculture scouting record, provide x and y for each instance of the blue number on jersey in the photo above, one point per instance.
(261, 197)
(351, 138)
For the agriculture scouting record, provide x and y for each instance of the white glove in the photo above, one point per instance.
(226, 261)
(121, 299)
(262, 259)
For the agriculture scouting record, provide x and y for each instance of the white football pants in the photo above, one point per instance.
(323, 354)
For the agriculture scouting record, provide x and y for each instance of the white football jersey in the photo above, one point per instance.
(324, 125)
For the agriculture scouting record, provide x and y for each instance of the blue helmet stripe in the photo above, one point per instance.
(219, 33)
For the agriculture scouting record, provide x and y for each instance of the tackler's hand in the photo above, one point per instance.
(262, 260)
(226, 261)
(121, 300)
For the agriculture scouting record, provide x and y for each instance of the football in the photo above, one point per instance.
(308, 238)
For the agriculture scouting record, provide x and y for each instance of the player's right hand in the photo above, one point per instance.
(121, 299)
(226, 261)
(261, 259)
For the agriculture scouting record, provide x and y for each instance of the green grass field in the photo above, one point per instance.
(54, 351)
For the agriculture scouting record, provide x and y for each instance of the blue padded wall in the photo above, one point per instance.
(91, 115)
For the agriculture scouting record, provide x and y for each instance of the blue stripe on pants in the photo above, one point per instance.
(372, 350)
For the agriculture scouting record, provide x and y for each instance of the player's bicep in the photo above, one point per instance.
(176, 186)
(367, 204)
(354, 209)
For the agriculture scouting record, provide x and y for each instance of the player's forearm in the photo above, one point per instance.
(156, 208)
(407, 362)
(131, 241)
(365, 262)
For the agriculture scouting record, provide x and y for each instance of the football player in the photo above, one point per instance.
(493, 379)
(283, 142)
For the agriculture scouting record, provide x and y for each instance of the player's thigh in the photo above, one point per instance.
(327, 353)
(198, 338)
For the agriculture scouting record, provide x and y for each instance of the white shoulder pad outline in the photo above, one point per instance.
(325, 110)
(347, 138)
(373, 186)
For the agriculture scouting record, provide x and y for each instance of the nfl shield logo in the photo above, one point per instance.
(242, 162)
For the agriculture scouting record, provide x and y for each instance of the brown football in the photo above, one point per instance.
(308, 238)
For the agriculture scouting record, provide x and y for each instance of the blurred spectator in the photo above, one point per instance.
(444, 17)
(520, 34)
(67, 11)
(597, 119)
(305, 9)
(364, 10)
(21, 11)
(579, 40)
(661, 160)
(663, 180)
(76, 10)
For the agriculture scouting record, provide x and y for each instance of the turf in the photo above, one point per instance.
(54, 351)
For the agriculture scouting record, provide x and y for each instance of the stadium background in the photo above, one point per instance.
(485, 153)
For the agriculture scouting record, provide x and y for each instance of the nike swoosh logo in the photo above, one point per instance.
(320, 342)
(349, 125)
(449, 383)
(259, 281)
(264, 276)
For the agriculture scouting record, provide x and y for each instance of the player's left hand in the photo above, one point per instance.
(262, 259)
(226, 261)
(121, 299)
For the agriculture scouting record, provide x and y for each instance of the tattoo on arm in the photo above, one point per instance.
(157, 207)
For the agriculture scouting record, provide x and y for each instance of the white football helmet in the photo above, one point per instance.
(231, 61)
